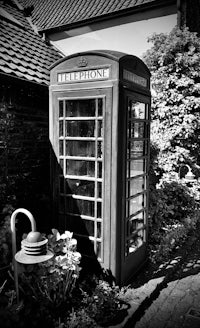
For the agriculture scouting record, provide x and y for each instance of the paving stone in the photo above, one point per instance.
(196, 300)
(191, 322)
(169, 298)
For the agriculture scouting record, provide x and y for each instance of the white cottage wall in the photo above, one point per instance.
(127, 36)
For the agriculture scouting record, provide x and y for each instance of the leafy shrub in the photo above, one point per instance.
(174, 64)
(78, 319)
(5, 236)
(172, 202)
(104, 305)
(174, 211)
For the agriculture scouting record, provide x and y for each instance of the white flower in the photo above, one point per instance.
(66, 235)
(56, 234)
(72, 267)
(73, 242)
(76, 256)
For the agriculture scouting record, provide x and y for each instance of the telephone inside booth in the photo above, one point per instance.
(100, 135)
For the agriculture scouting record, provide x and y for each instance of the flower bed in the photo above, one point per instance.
(52, 293)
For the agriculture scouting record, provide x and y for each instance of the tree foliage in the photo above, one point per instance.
(174, 61)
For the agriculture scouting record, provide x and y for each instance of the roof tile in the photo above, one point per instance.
(51, 13)
(23, 53)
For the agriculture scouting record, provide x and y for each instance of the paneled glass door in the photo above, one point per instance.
(81, 154)
(137, 162)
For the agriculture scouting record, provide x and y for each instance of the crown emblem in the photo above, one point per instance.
(82, 62)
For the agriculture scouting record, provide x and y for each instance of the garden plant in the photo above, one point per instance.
(173, 61)
(53, 295)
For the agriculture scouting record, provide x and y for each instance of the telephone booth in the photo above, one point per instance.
(100, 132)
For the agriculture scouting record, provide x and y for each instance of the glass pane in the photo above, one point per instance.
(99, 250)
(135, 167)
(141, 219)
(80, 128)
(61, 164)
(137, 148)
(99, 170)
(85, 207)
(137, 109)
(99, 150)
(98, 229)
(61, 128)
(80, 148)
(128, 129)
(80, 168)
(135, 223)
(99, 207)
(135, 186)
(100, 107)
(79, 206)
(136, 204)
(99, 190)
(61, 108)
(100, 129)
(147, 111)
(80, 187)
(135, 242)
(78, 225)
(61, 147)
(89, 225)
(80, 108)
(138, 130)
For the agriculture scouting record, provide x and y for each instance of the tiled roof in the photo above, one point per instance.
(53, 13)
(23, 53)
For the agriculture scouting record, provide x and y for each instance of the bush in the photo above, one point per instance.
(5, 237)
(172, 202)
(174, 212)
(174, 64)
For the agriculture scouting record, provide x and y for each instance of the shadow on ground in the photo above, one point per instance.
(184, 261)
